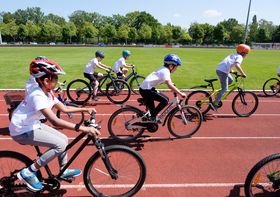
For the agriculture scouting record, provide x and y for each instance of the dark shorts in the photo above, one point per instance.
(92, 77)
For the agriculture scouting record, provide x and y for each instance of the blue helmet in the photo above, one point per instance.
(99, 54)
(172, 59)
(126, 53)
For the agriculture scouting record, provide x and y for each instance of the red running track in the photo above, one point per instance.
(213, 163)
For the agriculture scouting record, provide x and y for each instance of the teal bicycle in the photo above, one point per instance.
(244, 104)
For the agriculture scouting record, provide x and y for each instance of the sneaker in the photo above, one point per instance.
(70, 173)
(30, 179)
(213, 107)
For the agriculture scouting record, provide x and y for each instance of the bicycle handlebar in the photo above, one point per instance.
(60, 86)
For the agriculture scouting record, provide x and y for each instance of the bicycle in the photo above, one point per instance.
(128, 123)
(244, 100)
(135, 80)
(15, 99)
(264, 178)
(117, 91)
(114, 170)
(271, 87)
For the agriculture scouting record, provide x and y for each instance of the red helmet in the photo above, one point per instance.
(243, 48)
(39, 68)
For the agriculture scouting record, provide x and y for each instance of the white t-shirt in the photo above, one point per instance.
(31, 84)
(227, 64)
(156, 78)
(27, 115)
(118, 64)
(91, 65)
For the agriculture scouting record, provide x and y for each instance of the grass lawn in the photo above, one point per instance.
(197, 63)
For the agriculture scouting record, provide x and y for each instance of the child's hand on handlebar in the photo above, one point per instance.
(93, 131)
(91, 110)
(183, 95)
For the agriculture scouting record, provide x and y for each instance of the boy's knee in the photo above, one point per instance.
(61, 146)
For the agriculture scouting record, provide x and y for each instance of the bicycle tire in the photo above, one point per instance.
(76, 118)
(10, 163)
(241, 98)
(80, 87)
(135, 83)
(125, 161)
(118, 91)
(271, 87)
(255, 182)
(200, 99)
(118, 129)
(194, 120)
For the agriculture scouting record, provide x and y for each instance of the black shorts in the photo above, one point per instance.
(92, 77)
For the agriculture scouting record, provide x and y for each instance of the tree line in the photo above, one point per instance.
(32, 25)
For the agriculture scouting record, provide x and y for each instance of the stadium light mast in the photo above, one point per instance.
(245, 32)
(0, 37)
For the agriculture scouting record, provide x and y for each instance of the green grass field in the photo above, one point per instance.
(198, 63)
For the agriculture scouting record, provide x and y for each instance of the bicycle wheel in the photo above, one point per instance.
(245, 103)
(271, 87)
(263, 178)
(117, 124)
(79, 91)
(131, 172)
(118, 91)
(135, 83)
(10, 164)
(103, 82)
(185, 122)
(199, 99)
(74, 117)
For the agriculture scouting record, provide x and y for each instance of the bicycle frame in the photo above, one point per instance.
(132, 74)
(98, 144)
(163, 115)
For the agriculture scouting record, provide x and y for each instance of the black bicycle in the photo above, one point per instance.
(264, 178)
(135, 80)
(117, 91)
(114, 170)
(271, 87)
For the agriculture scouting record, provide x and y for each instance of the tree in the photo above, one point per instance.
(196, 32)
(35, 15)
(276, 34)
(123, 32)
(208, 33)
(261, 35)
(32, 31)
(176, 33)
(132, 34)
(69, 30)
(236, 35)
(268, 27)
(7, 17)
(137, 19)
(219, 33)
(185, 37)
(22, 32)
(109, 33)
(12, 29)
(55, 19)
(253, 30)
(229, 24)
(88, 31)
(51, 32)
(166, 34)
(145, 32)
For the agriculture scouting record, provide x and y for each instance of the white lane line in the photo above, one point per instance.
(183, 185)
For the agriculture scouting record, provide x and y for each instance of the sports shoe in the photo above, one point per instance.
(30, 179)
(70, 173)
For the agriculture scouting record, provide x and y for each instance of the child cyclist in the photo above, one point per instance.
(92, 75)
(225, 67)
(120, 66)
(26, 128)
(160, 76)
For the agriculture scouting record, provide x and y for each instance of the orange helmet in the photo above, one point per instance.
(243, 48)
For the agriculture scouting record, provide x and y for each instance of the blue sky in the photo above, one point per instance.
(177, 12)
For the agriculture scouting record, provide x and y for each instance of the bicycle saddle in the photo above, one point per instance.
(210, 80)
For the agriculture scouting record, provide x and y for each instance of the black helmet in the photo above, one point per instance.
(99, 54)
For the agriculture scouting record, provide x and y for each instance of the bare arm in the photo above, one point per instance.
(103, 66)
(48, 113)
(238, 67)
(174, 89)
(69, 109)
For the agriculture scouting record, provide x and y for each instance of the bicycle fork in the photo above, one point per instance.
(101, 149)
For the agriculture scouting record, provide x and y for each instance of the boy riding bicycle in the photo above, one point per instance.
(225, 67)
(160, 76)
(120, 66)
(26, 128)
(91, 75)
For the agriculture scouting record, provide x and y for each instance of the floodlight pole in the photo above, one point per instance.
(245, 32)
(0, 37)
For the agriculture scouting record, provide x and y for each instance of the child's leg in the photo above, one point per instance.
(148, 99)
(224, 85)
(162, 99)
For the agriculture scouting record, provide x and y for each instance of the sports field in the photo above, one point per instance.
(197, 63)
